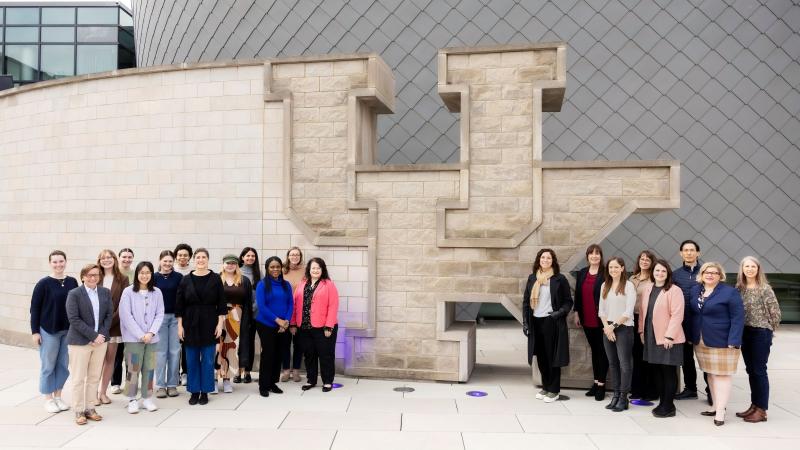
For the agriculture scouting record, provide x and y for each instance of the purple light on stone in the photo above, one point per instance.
(477, 393)
(336, 385)
(641, 403)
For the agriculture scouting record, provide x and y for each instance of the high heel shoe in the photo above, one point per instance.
(719, 423)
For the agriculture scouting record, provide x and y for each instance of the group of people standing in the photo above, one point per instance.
(180, 318)
(645, 326)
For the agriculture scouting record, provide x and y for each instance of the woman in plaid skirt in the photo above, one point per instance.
(717, 321)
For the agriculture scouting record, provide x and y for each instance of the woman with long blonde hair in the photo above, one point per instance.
(111, 278)
(762, 316)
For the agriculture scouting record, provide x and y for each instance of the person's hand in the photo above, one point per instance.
(668, 344)
(293, 330)
(281, 330)
(180, 332)
(609, 332)
(577, 320)
(328, 333)
(525, 330)
(147, 337)
(99, 339)
(218, 331)
(641, 338)
(37, 339)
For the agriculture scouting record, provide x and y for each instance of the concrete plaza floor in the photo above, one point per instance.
(369, 414)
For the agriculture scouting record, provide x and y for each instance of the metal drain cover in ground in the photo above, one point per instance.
(403, 389)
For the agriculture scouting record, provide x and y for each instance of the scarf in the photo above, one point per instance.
(542, 278)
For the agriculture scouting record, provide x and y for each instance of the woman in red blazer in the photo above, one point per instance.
(314, 321)
(661, 333)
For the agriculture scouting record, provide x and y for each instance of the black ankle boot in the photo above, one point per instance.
(614, 400)
(622, 403)
(592, 390)
(600, 394)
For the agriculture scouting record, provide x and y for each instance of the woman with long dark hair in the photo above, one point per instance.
(315, 322)
(251, 268)
(141, 311)
(168, 350)
(275, 306)
(587, 299)
(545, 305)
(617, 300)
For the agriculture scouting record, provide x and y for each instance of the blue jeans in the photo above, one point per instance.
(168, 353)
(200, 368)
(55, 361)
(755, 352)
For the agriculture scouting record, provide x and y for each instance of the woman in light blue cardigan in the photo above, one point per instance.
(141, 311)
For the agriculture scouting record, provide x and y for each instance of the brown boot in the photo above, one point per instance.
(758, 415)
(746, 412)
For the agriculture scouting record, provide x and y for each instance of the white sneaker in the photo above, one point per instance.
(184, 379)
(541, 394)
(149, 404)
(51, 406)
(227, 387)
(63, 406)
(133, 407)
(116, 389)
(216, 388)
(551, 397)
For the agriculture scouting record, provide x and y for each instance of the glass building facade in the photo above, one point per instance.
(54, 40)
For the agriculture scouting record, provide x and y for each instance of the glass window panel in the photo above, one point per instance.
(22, 16)
(97, 34)
(58, 16)
(125, 19)
(58, 34)
(22, 34)
(1, 34)
(97, 16)
(58, 61)
(22, 62)
(96, 58)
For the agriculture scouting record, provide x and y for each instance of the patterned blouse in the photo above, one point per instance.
(308, 295)
(761, 309)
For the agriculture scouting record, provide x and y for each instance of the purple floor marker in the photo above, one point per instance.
(638, 402)
(336, 385)
(477, 393)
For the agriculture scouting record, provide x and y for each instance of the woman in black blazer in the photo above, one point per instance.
(545, 306)
(589, 280)
(201, 309)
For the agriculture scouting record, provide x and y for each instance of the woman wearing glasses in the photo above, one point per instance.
(716, 324)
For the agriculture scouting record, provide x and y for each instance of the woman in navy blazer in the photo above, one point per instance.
(716, 314)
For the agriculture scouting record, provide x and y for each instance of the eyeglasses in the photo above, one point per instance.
(92, 275)
(708, 272)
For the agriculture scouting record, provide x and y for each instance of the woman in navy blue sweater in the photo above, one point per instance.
(275, 306)
(49, 327)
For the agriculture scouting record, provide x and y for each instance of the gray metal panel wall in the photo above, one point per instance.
(711, 83)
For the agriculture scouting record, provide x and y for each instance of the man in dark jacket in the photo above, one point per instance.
(685, 277)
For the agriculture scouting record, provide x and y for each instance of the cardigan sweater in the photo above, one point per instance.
(667, 314)
(140, 313)
(49, 304)
(199, 304)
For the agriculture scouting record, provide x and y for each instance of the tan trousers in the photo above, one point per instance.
(85, 368)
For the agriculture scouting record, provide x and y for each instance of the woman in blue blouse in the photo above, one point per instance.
(49, 326)
(275, 306)
(716, 323)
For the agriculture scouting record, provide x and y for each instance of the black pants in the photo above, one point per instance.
(248, 336)
(756, 343)
(184, 370)
(270, 362)
(321, 350)
(544, 345)
(666, 383)
(689, 370)
(116, 376)
(291, 355)
(641, 387)
(599, 360)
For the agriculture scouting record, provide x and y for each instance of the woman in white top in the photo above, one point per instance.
(617, 299)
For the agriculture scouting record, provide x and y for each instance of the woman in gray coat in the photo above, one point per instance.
(89, 311)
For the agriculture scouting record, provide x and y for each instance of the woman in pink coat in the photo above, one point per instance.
(314, 321)
(662, 334)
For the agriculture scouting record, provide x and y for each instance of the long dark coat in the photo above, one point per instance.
(200, 309)
(561, 299)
